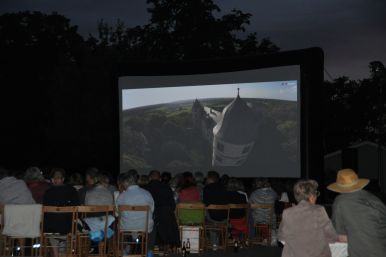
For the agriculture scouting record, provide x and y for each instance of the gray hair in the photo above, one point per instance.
(303, 189)
(33, 173)
(128, 178)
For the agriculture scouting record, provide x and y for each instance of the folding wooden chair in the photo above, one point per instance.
(68, 239)
(99, 213)
(190, 220)
(262, 232)
(21, 229)
(132, 242)
(220, 228)
(239, 225)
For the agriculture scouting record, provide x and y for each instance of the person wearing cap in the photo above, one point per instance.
(359, 217)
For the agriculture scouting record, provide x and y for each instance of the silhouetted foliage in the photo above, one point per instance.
(183, 30)
(355, 110)
(58, 104)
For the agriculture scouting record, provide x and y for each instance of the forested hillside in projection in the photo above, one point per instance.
(163, 136)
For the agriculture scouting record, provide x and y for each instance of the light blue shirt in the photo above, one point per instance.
(134, 195)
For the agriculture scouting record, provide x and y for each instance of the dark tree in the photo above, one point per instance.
(181, 30)
(355, 110)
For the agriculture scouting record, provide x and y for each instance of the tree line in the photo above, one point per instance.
(57, 91)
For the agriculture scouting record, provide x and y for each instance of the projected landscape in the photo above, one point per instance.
(229, 134)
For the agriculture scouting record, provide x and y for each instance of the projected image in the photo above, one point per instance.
(240, 129)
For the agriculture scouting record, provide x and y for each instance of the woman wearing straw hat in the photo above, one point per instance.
(358, 216)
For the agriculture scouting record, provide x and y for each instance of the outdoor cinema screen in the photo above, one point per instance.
(242, 123)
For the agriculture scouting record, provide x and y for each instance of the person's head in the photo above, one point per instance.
(154, 175)
(212, 177)
(175, 181)
(127, 179)
(3, 172)
(166, 177)
(261, 183)
(224, 179)
(199, 177)
(143, 180)
(57, 176)
(33, 173)
(306, 190)
(103, 178)
(234, 185)
(91, 176)
(75, 179)
(187, 180)
(347, 181)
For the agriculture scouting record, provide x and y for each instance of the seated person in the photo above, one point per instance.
(188, 191)
(90, 179)
(59, 194)
(164, 213)
(12, 190)
(305, 228)
(34, 179)
(99, 195)
(132, 194)
(264, 194)
(214, 192)
(237, 217)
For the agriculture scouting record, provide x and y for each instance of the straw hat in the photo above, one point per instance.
(347, 181)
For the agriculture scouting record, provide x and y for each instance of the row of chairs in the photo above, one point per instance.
(198, 212)
(190, 216)
(76, 242)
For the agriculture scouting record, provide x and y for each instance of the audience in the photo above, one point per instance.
(99, 194)
(263, 194)
(90, 177)
(359, 217)
(132, 194)
(36, 183)
(166, 177)
(76, 180)
(164, 211)
(13, 190)
(59, 194)
(105, 179)
(143, 180)
(305, 229)
(188, 191)
(214, 193)
(199, 178)
(237, 217)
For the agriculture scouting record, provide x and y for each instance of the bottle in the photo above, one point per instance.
(187, 246)
(183, 250)
(236, 246)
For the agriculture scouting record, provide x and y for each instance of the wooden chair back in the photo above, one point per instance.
(262, 232)
(70, 237)
(83, 240)
(125, 234)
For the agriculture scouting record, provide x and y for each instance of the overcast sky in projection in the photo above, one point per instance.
(352, 33)
(132, 98)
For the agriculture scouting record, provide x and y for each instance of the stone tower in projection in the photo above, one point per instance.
(234, 135)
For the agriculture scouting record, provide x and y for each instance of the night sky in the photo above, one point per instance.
(352, 33)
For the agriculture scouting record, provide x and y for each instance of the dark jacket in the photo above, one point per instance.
(63, 195)
(215, 193)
